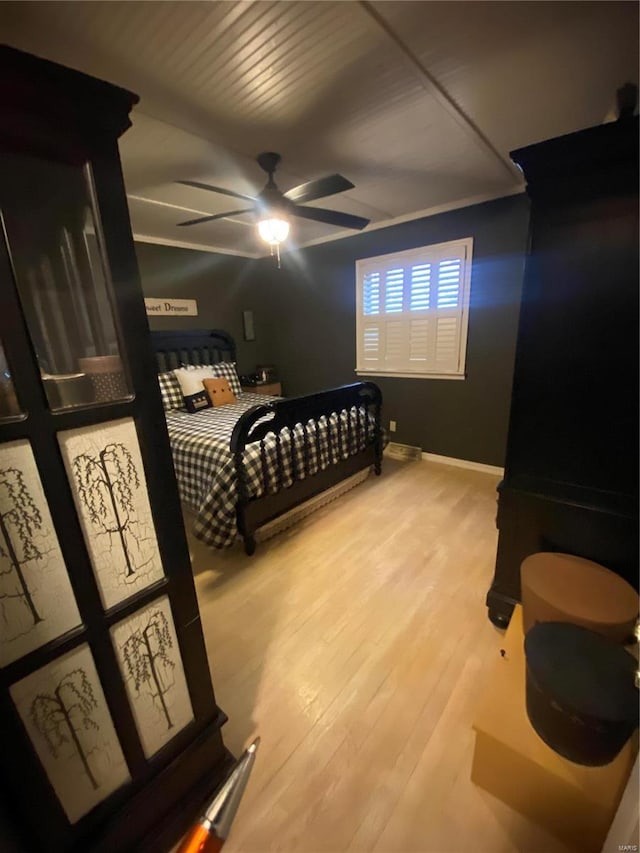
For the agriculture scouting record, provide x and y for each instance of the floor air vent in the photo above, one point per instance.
(404, 451)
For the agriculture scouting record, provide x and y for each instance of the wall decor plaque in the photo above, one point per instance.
(149, 656)
(105, 469)
(68, 722)
(36, 599)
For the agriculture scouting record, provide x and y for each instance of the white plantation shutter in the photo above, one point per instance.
(420, 341)
(420, 287)
(413, 311)
(394, 342)
(393, 291)
(449, 283)
(447, 343)
(371, 343)
(371, 293)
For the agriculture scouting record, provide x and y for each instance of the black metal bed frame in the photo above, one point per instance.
(194, 346)
(357, 438)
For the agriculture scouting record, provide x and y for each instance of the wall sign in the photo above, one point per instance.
(172, 307)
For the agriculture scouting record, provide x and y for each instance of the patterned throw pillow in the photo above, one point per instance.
(170, 392)
(219, 391)
(190, 381)
(224, 369)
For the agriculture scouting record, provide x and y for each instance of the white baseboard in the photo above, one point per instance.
(463, 463)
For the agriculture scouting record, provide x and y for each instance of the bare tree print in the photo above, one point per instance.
(106, 482)
(19, 523)
(147, 660)
(64, 715)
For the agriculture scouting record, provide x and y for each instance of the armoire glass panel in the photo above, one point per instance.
(9, 406)
(53, 236)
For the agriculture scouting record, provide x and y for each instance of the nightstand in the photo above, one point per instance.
(270, 389)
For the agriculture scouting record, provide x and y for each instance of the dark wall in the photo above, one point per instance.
(311, 312)
(222, 285)
(306, 323)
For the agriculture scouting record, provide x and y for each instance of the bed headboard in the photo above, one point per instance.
(194, 346)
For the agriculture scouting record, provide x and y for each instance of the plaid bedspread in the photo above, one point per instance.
(205, 469)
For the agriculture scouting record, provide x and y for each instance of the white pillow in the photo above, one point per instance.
(190, 381)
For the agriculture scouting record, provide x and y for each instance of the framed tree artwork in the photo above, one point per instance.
(37, 603)
(149, 656)
(65, 713)
(109, 488)
(109, 728)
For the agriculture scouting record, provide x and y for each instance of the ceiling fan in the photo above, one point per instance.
(273, 207)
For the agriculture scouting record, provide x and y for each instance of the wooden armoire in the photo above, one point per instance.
(571, 471)
(109, 729)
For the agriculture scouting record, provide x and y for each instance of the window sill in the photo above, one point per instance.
(383, 373)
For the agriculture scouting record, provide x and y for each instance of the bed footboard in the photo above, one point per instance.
(303, 459)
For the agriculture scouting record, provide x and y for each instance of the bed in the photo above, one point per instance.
(241, 466)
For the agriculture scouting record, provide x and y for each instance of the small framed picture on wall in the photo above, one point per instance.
(247, 324)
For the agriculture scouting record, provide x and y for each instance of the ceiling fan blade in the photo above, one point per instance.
(213, 189)
(216, 216)
(331, 217)
(313, 190)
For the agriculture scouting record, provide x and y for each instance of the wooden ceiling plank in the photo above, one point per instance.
(230, 41)
(438, 91)
(300, 30)
(312, 75)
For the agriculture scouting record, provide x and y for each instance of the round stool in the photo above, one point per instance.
(564, 588)
(581, 693)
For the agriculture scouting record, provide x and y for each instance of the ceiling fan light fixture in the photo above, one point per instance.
(273, 230)
(273, 208)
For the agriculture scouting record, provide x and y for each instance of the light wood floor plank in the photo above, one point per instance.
(357, 645)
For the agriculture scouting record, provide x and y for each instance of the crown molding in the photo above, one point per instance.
(469, 201)
(195, 247)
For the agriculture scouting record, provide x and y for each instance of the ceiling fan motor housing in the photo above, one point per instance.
(271, 200)
(268, 161)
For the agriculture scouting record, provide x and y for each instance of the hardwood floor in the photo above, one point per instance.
(357, 645)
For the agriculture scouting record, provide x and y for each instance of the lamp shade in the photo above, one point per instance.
(273, 231)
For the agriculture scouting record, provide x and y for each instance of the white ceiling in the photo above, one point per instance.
(417, 103)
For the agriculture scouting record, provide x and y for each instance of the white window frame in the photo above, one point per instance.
(399, 322)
